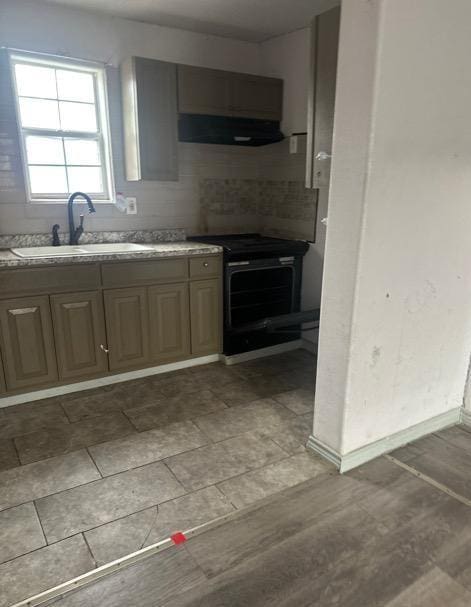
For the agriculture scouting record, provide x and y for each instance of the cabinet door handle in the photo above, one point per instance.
(105, 350)
(205, 264)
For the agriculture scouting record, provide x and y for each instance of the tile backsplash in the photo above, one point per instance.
(220, 188)
(268, 200)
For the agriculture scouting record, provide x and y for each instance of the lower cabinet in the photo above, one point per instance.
(59, 337)
(169, 322)
(79, 328)
(127, 326)
(27, 341)
(205, 314)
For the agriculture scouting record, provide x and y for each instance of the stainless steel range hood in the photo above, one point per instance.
(196, 128)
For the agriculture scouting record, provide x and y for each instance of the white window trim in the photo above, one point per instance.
(103, 121)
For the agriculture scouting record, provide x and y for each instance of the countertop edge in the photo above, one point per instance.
(162, 250)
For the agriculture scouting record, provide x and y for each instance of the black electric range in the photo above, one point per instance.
(262, 290)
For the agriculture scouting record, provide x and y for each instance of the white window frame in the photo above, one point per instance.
(102, 136)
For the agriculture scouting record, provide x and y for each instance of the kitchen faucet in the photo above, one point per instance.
(75, 233)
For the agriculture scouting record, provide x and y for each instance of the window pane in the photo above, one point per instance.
(77, 117)
(75, 86)
(35, 81)
(39, 113)
(44, 150)
(82, 151)
(48, 180)
(85, 179)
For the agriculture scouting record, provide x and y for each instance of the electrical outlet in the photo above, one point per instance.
(132, 205)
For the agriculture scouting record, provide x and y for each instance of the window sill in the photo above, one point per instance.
(57, 201)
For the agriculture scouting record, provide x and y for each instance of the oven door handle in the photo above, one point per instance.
(274, 324)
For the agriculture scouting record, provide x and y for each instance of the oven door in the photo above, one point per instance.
(258, 290)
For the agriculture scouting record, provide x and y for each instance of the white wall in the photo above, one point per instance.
(396, 324)
(53, 29)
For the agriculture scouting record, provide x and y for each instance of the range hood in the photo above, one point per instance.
(197, 128)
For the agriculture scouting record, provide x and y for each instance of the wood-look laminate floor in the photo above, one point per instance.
(377, 536)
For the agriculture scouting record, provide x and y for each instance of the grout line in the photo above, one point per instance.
(95, 464)
(40, 524)
(84, 537)
(64, 410)
(430, 481)
(13, 440)
(172, 473)
(154, 520)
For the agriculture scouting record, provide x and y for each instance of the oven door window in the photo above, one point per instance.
(255, 294)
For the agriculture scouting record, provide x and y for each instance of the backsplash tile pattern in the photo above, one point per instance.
(287, 200)
(283, 199)
(229, 196)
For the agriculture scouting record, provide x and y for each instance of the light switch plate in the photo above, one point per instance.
(132, 205)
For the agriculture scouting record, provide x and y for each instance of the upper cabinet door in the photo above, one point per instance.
(203, 91)
(219, 93)
(127, 324)
(256, 97)
(27, 342)
(79, 327)
(149, 90)
(321, 106)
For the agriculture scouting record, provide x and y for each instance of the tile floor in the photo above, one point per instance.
(89, 477)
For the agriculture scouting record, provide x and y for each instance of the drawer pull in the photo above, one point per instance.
(105, 350)
(205, 264)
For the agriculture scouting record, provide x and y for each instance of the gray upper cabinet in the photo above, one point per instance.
(256, 97)
(220, 93)
(149, 90)
(203, 91)
(321, 106)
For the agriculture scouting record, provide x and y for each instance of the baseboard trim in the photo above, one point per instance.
(348, 461)
(324, 450)
(18, 399)
(465, 417)
(233, 359)
(310, 346)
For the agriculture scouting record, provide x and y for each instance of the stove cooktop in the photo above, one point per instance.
(241, 245)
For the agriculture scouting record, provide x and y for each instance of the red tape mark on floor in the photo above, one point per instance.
(178, 538)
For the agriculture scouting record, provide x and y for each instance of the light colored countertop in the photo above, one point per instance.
(160, 250)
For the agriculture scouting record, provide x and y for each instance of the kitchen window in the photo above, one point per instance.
(63, 124)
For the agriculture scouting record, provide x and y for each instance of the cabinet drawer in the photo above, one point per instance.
(61, 279)
(144, 272)
(200, 267)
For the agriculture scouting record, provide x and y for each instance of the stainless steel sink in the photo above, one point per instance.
(86, 249)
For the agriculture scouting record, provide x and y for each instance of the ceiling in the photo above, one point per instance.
(250, 20)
